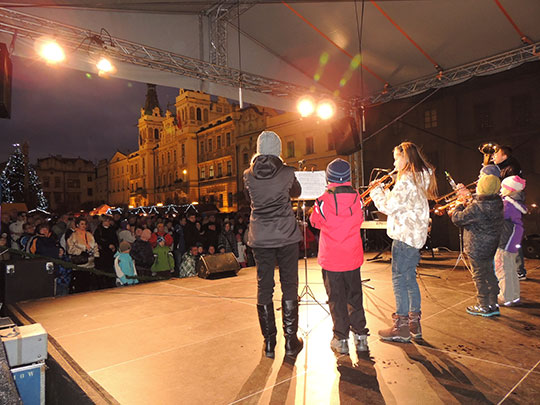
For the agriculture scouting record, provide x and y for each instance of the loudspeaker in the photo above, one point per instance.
(26, 279)
(5, 82)
(531, 246)
(218, 264)
(346, 136)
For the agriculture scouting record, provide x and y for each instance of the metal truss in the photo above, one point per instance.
(494, 64)
(219, 15)
(93, 44)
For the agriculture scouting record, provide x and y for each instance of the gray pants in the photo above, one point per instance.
(506, 271)
(485, 281)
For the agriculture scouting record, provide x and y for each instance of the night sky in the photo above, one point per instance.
(62, 111)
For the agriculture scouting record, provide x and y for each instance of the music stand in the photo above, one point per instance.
(461, 256)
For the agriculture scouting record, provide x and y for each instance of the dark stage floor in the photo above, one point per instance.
(195, 341)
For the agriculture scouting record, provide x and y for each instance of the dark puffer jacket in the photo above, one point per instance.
(270, 184)
(482, 222)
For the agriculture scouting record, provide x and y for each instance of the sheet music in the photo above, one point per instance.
(313, 184)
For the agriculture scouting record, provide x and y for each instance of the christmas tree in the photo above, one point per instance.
(20, 182)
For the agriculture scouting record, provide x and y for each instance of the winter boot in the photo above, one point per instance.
(360, 341)
(340, 346)
(414, 325)
(399, 332)
(267, 321)
(293, 344)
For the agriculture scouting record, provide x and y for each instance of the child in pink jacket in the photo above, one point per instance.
(338, 214)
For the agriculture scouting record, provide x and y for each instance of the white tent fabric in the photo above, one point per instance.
(277, 43)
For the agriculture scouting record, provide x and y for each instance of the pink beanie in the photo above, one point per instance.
(513, 183)
(145, 235)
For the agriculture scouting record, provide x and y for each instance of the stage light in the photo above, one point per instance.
(306, 106)
(326, 109)
(52, 52)
(104, 66)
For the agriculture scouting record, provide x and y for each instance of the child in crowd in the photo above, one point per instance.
(124, 266)
(505, 259)
(164, 262)
(241, 248)
(188, 267)
(338, 214)
(482, 222)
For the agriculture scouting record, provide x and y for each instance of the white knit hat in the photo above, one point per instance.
(268, 143)
(513, 183)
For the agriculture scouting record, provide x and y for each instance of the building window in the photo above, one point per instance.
(290, 149)
(228, 138)
(46, 181)
(89, 178)
(201, 147)
(183, 149)
(219, 170)
(210, 145)
(430, 118)
(220, 200)
(229, 168)
(191, 113)
(156, 133)
(170, 178)
(205, 114)
(309, 146)
(74, 183)
(199, 117)
(218, 142)
(245, 159)
(211, 172)
(168, 157)
(482, 117)
(230, 201)
(521, 110)
(203, 173)
(174, 155)
(58, 197)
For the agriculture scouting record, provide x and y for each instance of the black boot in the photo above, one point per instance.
(267, 321)
(293, 344)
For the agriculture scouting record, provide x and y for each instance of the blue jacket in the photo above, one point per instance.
(123, 266)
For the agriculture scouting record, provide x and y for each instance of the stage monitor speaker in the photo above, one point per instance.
(346, 136)
(531, 246)
(220, 264)
(5, 82)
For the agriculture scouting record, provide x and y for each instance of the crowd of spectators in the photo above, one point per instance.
(125, 248)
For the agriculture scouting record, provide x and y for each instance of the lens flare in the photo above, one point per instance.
(306, 106)
(52, 52)
(326, 109)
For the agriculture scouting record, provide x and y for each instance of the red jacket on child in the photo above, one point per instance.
(338, 214)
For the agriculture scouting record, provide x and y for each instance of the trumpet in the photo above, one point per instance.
(452, 200)
(376, 183)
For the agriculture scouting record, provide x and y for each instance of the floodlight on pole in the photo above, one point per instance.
(306, 106)
(105, 66)
(51, 52)
(326, 109)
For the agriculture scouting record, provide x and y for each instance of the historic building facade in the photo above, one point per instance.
(68, 183)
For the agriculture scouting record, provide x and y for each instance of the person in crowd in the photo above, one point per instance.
(70, 228)
(241, 225)
(191, 233)
(16, 230)
(211, 235)
(107, 241)
(274, 236)
(29, 231)
(512, 232)
(188, 267)
(227, 239)
(124, 267)
(164, 262)
(509, 166)
(211, 250)
(179, 245)
(4, 227)
(82, 250)
(241, 249)
(60, 227)
(142, 254)
(482, 221)
(126, 233)
(338, 214)
(4, 247)
(161, 231)
(408, 220)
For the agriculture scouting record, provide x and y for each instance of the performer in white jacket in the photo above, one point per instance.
(408, 220)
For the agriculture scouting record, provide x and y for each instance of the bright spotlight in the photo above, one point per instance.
(52, 52)
(306, 106)
(104, 66)
(326, 109)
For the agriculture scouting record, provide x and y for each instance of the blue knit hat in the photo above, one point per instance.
(338, 171)
(491, 169)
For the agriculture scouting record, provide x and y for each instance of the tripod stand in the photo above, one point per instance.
(461, 256)
(306, 290)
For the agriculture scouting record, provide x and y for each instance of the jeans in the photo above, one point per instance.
(405, 258)
(286, 258)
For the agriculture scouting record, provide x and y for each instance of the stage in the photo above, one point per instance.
(196, 341)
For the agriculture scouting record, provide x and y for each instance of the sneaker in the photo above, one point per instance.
(512, 303)
(360, 342)
(522, 276)
(340, 346)
(480, 310)
(495, 310)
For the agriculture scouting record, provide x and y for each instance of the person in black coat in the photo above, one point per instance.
(142, 254)
(274, 236)
(192, 235)
(107, 241)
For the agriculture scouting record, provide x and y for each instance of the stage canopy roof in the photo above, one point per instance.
(286, 48)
